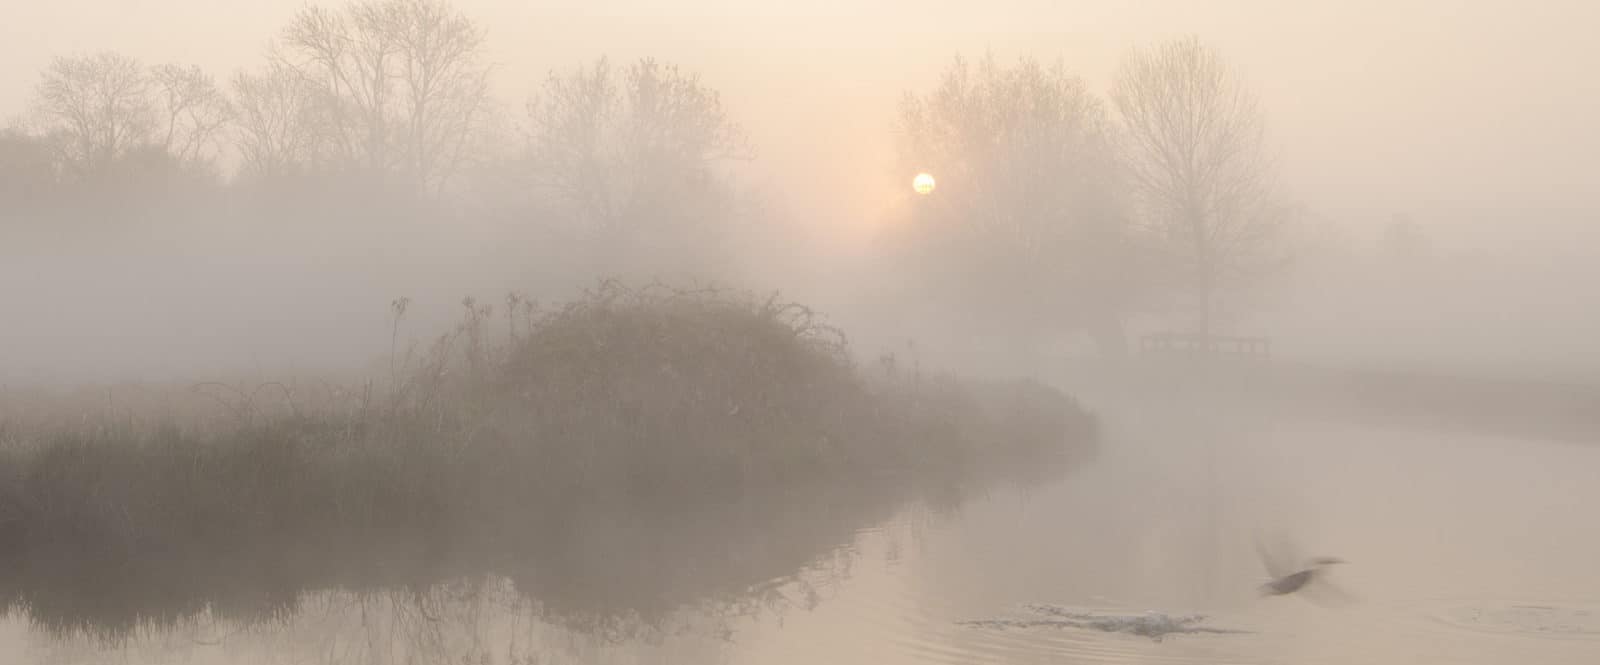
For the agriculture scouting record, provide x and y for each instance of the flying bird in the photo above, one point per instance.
(1291, 574)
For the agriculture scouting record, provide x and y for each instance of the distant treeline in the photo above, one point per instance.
(1057, 210)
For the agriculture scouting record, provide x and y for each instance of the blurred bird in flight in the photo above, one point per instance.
(1292, 574)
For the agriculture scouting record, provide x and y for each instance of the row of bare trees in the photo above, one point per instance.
(96, 110)
(394, 92)
(1059, 210)
(383, 88)
(635, 155)
(388, 87)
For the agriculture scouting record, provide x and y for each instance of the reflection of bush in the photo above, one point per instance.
(625, 455)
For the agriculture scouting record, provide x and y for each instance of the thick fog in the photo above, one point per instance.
(1472, 122)
(757, 332)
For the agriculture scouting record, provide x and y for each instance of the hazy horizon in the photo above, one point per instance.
(755, 333)
(1464, 116)
(1474, 121)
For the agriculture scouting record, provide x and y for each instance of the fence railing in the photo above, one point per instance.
(1209, 345)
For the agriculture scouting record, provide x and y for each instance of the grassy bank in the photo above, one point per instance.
(1439, 401)
(497, 448)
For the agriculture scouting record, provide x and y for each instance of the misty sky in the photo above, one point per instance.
(1472, 115)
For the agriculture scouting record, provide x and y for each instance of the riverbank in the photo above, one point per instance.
(1438, 400)
(503, 446)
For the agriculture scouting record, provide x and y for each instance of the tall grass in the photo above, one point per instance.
(489, 451)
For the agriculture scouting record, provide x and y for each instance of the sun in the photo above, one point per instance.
(923, 183)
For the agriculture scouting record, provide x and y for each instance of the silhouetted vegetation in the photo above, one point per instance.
(1203, 185)
(376, 117)
(1030, 200)
(505, 446)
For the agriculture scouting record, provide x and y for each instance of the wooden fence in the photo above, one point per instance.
(1207, 345)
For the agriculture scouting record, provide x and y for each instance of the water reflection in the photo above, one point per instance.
(602, 584)
(1463, 550)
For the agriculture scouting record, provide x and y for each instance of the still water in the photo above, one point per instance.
(1461, 549)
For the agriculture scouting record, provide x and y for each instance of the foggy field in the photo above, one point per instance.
(480, 333)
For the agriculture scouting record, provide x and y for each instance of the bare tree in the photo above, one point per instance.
(1025, 225)
(98, 106)
(279, 124)
(633, 157)
(193, 112)
(105, 109)
(349, 68)
(444, 89)
(573, 144)
(402, 81)
(1194, 144)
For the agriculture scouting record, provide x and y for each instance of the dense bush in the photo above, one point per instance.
(485, 454)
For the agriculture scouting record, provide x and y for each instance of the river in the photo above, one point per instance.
(1460, 549)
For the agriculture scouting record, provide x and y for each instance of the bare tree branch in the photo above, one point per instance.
(632, 151)
(280, 124)
(1194, 145)
(402, 82)
(194, 112)
(100, 105)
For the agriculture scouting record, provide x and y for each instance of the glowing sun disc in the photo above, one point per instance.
(923, 183)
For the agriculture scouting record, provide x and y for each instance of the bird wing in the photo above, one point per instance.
(1327, 594)
(1277, 555)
